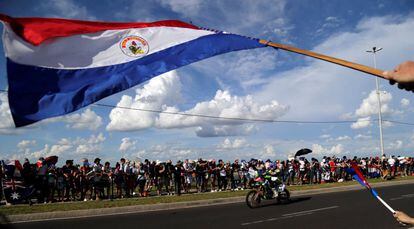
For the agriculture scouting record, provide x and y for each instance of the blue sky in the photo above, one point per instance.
(258, 84)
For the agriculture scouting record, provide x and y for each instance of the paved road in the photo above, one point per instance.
(351, 209)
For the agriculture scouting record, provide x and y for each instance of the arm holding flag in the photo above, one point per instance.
(403, 218)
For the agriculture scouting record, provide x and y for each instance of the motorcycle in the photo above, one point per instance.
(267, 188)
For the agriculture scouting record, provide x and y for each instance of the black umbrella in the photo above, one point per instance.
(303, 152)
(52, 160)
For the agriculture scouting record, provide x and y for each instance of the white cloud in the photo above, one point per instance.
(66, 9)
(235, 144)
(164, 152)
(164, 92)
(93, 139)
(325, 136)
(85, 120)
(334, 150)
(25, 144)
(343, 138)
(369, 105)
(361, 123)
(405, 102)
(225, 130)
(330, 23)
(65, 148)
(87, 148)
(187, 7)
(269, 19)
(362, 137)
(6, 120)
(250, 70)
(224, 105)
(127, 144)
(397, 145)
(268, 152)
(88, 119)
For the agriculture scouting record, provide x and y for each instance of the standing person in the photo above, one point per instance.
(119, 180)
(85, 183)
(141, 178)
(188, 167)
(41, 180)
(129, 179)
(28, 173)
(178, 173)
(325, 169)
(222, 176)
(314, 171)
(151, 181)
(332, 167)
(68, 171)
(97, 184)
(60, 184)
(159, 174)
(148, 185)
(236, 177)
(291, 172)
(213, 173)
(391, 163)
(107, 178)
(168, 177)
(229, 175)
(302, 170)
(201, 170)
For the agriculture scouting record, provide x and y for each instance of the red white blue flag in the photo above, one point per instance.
(57, 66)
(358, 176)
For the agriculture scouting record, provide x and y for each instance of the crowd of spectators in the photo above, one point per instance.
(88, 181)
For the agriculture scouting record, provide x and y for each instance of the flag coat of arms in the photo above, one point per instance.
(57, 66)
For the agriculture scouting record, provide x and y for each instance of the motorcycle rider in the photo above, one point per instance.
(271, 176)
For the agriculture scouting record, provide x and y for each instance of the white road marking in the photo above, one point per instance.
(313, 210)
(290, 215)
(273, 219)
(411, 195)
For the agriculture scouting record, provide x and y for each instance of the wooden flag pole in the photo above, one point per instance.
(348, 64)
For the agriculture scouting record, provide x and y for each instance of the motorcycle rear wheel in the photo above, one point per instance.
(253, 199)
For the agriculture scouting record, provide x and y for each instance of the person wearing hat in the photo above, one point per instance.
(159, 174)
(41, 180)
(97, 175)
(85, 183)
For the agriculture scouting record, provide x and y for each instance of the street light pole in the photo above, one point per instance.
(374, 52)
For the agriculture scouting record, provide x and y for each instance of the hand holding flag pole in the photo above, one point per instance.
(357, 175)
(345, 63)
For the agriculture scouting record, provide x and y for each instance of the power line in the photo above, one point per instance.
(247, 119)
(244, 119)
(221, 117)
(398, 122)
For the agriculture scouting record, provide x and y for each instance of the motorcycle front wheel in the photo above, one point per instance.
(283, 196)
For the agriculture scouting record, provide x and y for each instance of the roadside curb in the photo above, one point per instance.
(44, 216)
